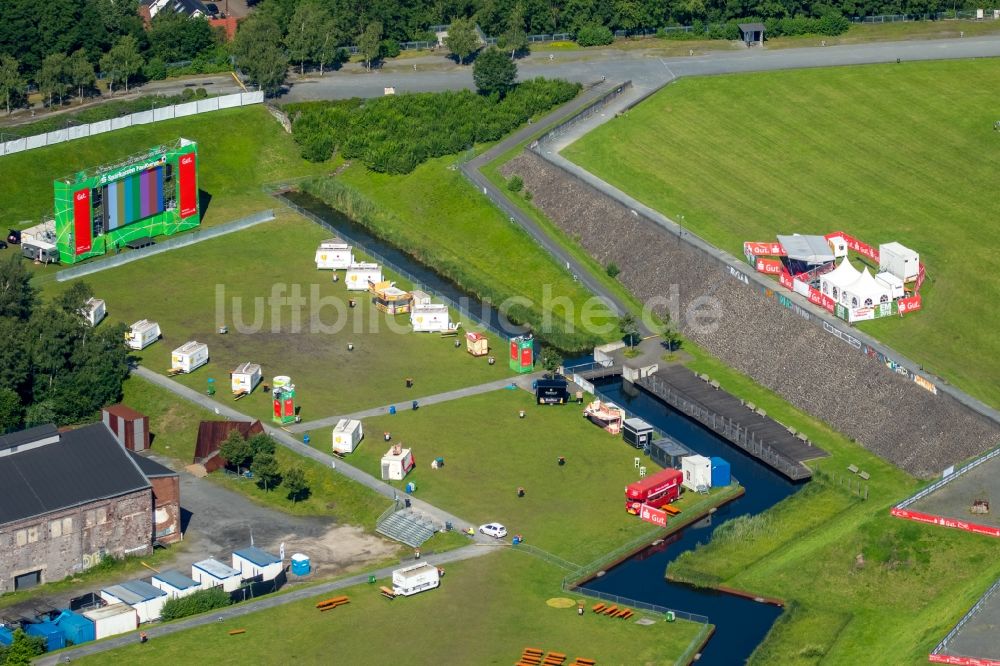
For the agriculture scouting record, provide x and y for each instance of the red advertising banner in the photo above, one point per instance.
(815, 296)
(828, 303)
(911, 304)
(653, 515)
(81, 221)
(288, 408)
(765, 249)
(769, 266)
(785, 280)
(921, 276)
(277, 409)
(188, 183)
(919, 517)
(961, 661)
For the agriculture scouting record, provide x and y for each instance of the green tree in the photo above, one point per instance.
(53, 78)
(370, 42)
(629, 328)
(17, 295)
(75, 298)
(296, 485)
(261, 444)
(174, 36)
(307, 33)
(11, 410)
(671, 337)
(22, 650)
(551, 360)
(258, 53)
(462, 39)
(15, 366)
(81, 72)
(12, 84)
(514, 38)
(122, 62)
(236, 450)
(494, 72)
(266, 471)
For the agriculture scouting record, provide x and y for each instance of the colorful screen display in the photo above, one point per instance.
(133, 198)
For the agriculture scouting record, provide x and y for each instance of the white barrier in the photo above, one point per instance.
(121, 123)
(15, 146)
(142, 118)
(230, 101)
(252, 98)
(210, 104)
(35, 141)
(188, 109)
(78, 132)
(100, 127)
(166, 113)
(57, 136)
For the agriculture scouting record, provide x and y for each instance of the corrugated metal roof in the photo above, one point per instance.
(257, 556)
(176, 579)
(125, 412)
(134, 592)
(216, 568)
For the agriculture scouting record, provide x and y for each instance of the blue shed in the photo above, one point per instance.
(54, 639)
(75, 628)
(6, 635)
(721, 473)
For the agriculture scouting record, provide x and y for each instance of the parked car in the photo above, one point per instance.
(495, 530)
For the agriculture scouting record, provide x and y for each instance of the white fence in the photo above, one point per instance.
(140, 118)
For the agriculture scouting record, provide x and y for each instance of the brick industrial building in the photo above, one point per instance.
(69, 499)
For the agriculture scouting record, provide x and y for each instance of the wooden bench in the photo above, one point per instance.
(535, 652)
(556, 655)
(531, 660)
(236, 632)
(332, 603)
(598, 608)
(671, 510)
(387, 593)
(625, 614)
(580, 661)
(611, 610)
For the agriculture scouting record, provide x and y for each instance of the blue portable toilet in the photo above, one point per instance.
(6, 635)
(392, 409)
(75, 628)
(54, 639)
(721, 473)
(300, 564)
(410, 487)
(305, 439)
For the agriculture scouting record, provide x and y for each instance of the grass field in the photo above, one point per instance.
(329, 379)
(485, 612)
(238, 151)
(865, 150)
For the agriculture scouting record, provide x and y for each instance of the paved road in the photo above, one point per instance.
(521, 381)
(245, 608)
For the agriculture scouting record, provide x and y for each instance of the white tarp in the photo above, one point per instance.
(15, 146)
(57, 136)
(810, 249)
(121, 123)
(253, 98)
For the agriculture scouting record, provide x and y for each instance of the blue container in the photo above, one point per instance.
(516, 540)
(392, 409)
(411, 487)
(54, 639)
(305, 439)
(300, 564)
(721, 473)
(75, 628)
(6, 636)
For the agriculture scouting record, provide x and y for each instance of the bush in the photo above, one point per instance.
(594, 35)
(199, 602)
(155, 70)
(515, 184)
(390, 48)
(613, 270)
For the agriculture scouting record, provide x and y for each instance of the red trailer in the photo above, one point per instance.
(656, 490)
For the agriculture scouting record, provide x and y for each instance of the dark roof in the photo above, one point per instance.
(28, 436)
(751, 27)
(176, 579)
(86, 464)
(259, 557)
(125, 412)
(213, 433)
(150, 467)
(134, 592)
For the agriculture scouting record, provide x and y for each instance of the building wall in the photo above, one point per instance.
(66, 542)
(167, 508)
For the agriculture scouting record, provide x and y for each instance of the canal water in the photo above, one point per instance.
(741, 623)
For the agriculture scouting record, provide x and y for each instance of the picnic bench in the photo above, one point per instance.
(330, 604)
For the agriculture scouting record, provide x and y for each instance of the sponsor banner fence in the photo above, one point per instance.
(653, 515)
(769, 266)
(954, 523)
(141, 117)
(764, 249)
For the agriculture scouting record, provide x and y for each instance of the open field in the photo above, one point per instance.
(486, 611)
(274, 259)
(238, 151)
(746, 167)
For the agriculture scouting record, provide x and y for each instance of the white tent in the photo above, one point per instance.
(833, 283)
(865, 292)
(809, 249)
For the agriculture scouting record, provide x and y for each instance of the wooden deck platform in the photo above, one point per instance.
(719, 411)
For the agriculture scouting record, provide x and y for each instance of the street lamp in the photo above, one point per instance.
(680, 225)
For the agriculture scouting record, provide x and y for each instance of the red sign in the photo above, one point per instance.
(785, 279)
(921, 276)
(962, 661)
(81, 221)
(289, 407)
(828, 303)
(769, 266)
(766, 249)
(526, 361)
(946, 522)
(188, 185)
(815, 296)
(911, 304)
(655, 516)
(277, 409)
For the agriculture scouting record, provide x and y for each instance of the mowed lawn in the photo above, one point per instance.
(890, 152)
(230, 281)
(238, 151)
(487, 610)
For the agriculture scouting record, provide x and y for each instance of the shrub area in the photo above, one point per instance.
(394, 134)
(199, 602)
(831, 24)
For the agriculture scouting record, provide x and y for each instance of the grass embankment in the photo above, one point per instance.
(486, 611)
(910, 173)
(275, 259)
(435, 215)
(238, 151)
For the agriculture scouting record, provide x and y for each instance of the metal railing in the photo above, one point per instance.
(547, 556)
(951, 477)
(588, 570)
(687, 656)
(635, 603)
(943, 645)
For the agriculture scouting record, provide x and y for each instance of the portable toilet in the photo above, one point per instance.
(112, 620)
(396, 463)
(141, 334)
(54, 639)
(477, 344)
(899, 260)
(360, 274)
(189, 357)
(75, 628)
(721, 473)
(300, 564)
(333, 254)
(522, 353)
(346, 435)
(94, 310)
(637, 432)
(245, 378)
(697, 472)
(283, 399)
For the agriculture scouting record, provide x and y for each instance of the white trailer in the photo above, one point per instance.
(94, 310)
(360, 274)
(39, 243)
(213, 573)
(112, 620)
(245, 378)
(396, 463)
(892, 283)
(253, 561)
(697, 472)
(432, 318)
(334, 254)
(346, 435)
(414, 579)
(901, 261)
(189, 357)
(142, 333)
(146, 599)
(175, 584)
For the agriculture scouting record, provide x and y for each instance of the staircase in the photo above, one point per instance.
(407, 526)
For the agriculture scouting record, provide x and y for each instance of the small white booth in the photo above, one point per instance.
(141, 334)
(396, 463)
(189, 357)
(245, 378)
(213, 573)
(112, 620)
(94, 310)
(414, 579)
(832, 284)
(899, 260)
(253, 562)
(865, 292)
(431, 318)
(891, 283)
(175, 584)
(144, 598)
(334, 254)
(360, 274)
(697, 472)
(346, 435)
